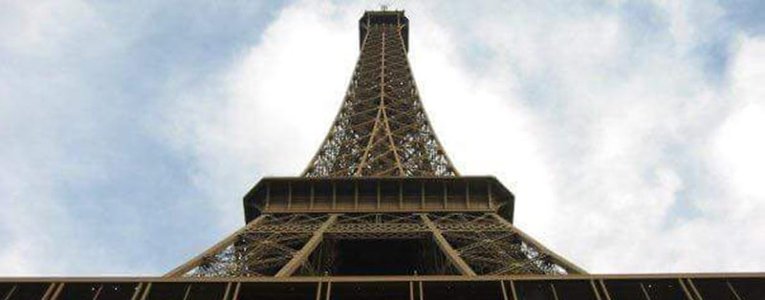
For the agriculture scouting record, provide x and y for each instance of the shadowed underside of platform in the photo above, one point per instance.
(576, 287)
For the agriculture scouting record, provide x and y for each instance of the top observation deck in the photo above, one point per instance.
(393, 17)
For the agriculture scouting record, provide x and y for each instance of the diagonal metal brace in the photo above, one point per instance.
(309, 246)
(450, 253)
(566, 264)
(183, 269)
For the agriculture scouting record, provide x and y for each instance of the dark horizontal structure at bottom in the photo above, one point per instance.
(736, 286)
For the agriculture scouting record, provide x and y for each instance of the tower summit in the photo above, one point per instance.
(380, 212)
(382, 128)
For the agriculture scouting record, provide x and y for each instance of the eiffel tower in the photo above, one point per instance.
(380, 212)
(380, 197)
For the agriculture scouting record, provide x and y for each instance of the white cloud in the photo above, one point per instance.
(43, 28)
(738, 144)
(37, 131)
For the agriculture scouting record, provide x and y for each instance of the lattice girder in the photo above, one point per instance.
(382, 128)
(380, 177)
(485, 244)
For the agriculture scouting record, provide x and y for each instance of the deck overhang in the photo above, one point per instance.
(393, 17)
(378, 194)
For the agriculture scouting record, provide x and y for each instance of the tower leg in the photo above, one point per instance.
(182, 269)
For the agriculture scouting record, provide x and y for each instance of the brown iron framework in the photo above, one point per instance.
(379, 183)
(382, 128)
(380, 175)
(280, 245)
(463, 219)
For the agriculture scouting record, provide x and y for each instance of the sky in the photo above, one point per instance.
(631, 132)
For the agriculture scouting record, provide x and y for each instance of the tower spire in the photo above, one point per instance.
(382, 128)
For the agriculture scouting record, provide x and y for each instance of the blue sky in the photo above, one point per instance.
(630, 131)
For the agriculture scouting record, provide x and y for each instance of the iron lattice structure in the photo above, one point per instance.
(465, 243)
(381, 131)
(381, 213)
(382, 128)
